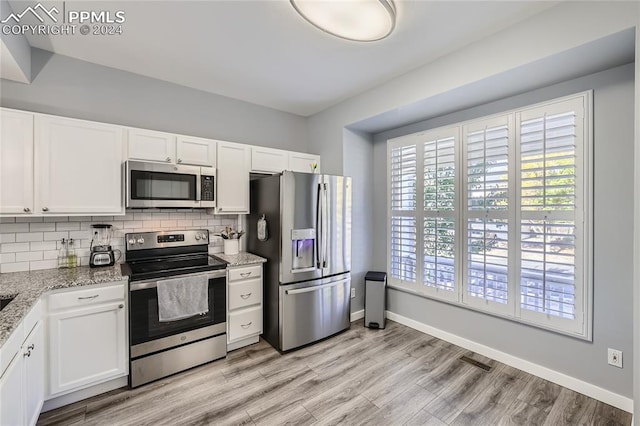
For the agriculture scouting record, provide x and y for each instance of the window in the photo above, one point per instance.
(493, 214)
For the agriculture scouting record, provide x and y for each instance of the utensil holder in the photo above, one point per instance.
(231, 246)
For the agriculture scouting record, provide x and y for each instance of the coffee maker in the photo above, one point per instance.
(101, 252)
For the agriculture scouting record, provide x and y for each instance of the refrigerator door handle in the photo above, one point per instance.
(317, 287)
(318, 225)
(325, 225)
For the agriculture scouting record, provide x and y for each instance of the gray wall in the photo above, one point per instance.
(613, 243)
(358, 157)
(69, 87)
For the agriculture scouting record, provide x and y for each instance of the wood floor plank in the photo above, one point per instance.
(540, 393)
(519, 413)
(409, 377)
(571, 408)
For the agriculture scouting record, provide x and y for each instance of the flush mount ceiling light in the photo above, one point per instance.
(357, 20)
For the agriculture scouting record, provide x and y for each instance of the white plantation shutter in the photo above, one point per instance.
(494, 214)
(403, 175)
(551, 146)
(488, 188)
(440, 184)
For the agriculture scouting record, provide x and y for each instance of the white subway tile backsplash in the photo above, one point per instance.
(28, 236)
(44, 245)
(68, 226)
(43, 264)
(13, 227)
(40, 227)
(55, 236)
(14, 247)
(7, 238)
(14, 267)
(34, 243)
(7, 257)
(28, 256)
(29, 219)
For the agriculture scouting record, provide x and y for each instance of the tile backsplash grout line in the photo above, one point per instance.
(32, 243)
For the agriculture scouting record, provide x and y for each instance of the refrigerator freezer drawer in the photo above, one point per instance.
(313, 312)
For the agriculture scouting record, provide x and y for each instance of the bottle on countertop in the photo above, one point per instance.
(63, 255)
(72, 258)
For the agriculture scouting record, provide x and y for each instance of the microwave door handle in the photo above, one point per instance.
(198, 186)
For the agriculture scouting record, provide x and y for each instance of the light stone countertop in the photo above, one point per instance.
(241, 259)
(27, 287)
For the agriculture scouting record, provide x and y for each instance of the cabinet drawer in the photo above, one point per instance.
(236, 274)
(87, 296)
(245, 293)
(245, 323)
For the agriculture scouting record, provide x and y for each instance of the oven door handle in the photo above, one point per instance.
(143, 285)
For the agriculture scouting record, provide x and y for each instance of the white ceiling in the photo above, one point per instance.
(262, 52)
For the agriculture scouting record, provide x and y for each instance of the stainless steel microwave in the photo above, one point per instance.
(150, 184)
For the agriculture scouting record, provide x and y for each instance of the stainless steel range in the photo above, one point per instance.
(177, 303)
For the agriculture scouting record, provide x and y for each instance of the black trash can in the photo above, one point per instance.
(375, 299)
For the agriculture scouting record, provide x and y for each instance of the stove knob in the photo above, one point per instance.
(140, 240)
(204, 236)
(197, 237)
(131, 241)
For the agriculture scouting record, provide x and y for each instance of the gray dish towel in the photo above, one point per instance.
(180, 298)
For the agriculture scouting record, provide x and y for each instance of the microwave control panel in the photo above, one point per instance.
(207, 188)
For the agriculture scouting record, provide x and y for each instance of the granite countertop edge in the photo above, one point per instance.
(241, 259)
(27, 287)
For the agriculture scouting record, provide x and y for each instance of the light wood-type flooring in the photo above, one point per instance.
(395, 376)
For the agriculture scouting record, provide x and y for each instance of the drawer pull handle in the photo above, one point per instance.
(246, 325)
(27, 354)
(88, 297)
(246, 296)
(245, 274)
(31, 347)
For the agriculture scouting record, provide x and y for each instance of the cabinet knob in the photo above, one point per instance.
(27, 354)
(121, 306)
(168, 159)
(26, 209)
(45, 209)
(179, 160)
(31, 347)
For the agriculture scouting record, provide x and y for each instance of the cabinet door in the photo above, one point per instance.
(12, 393)
(196, 151)
(34, 374)
(151, 146)
(87, 346)
(78, 166)
(16, 162)
(233, 178)
(267, 160)
(299, 162)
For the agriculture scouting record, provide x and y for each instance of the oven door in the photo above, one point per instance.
(148, 334)
(162, 185)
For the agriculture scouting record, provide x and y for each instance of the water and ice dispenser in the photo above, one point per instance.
(303, 245)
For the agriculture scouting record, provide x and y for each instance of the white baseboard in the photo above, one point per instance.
(561, 379)
(355, 316)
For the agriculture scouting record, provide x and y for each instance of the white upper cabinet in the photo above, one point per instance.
(268, 160)
(196, 151)
(300, 162)
(16, 162)
(78, 166)
(150, 145)
(233, 164)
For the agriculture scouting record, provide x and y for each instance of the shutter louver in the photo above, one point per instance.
(488, 254)
(403, 248)
(403, 201)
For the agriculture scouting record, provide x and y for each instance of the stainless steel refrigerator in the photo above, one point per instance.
(307, 280)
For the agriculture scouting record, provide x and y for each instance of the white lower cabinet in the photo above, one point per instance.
(244, 293)
(87, 338)
(22, 382)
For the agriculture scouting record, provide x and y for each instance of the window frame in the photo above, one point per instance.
(582, 326)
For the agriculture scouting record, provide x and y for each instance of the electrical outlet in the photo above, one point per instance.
(353, 293)
(615, 357)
